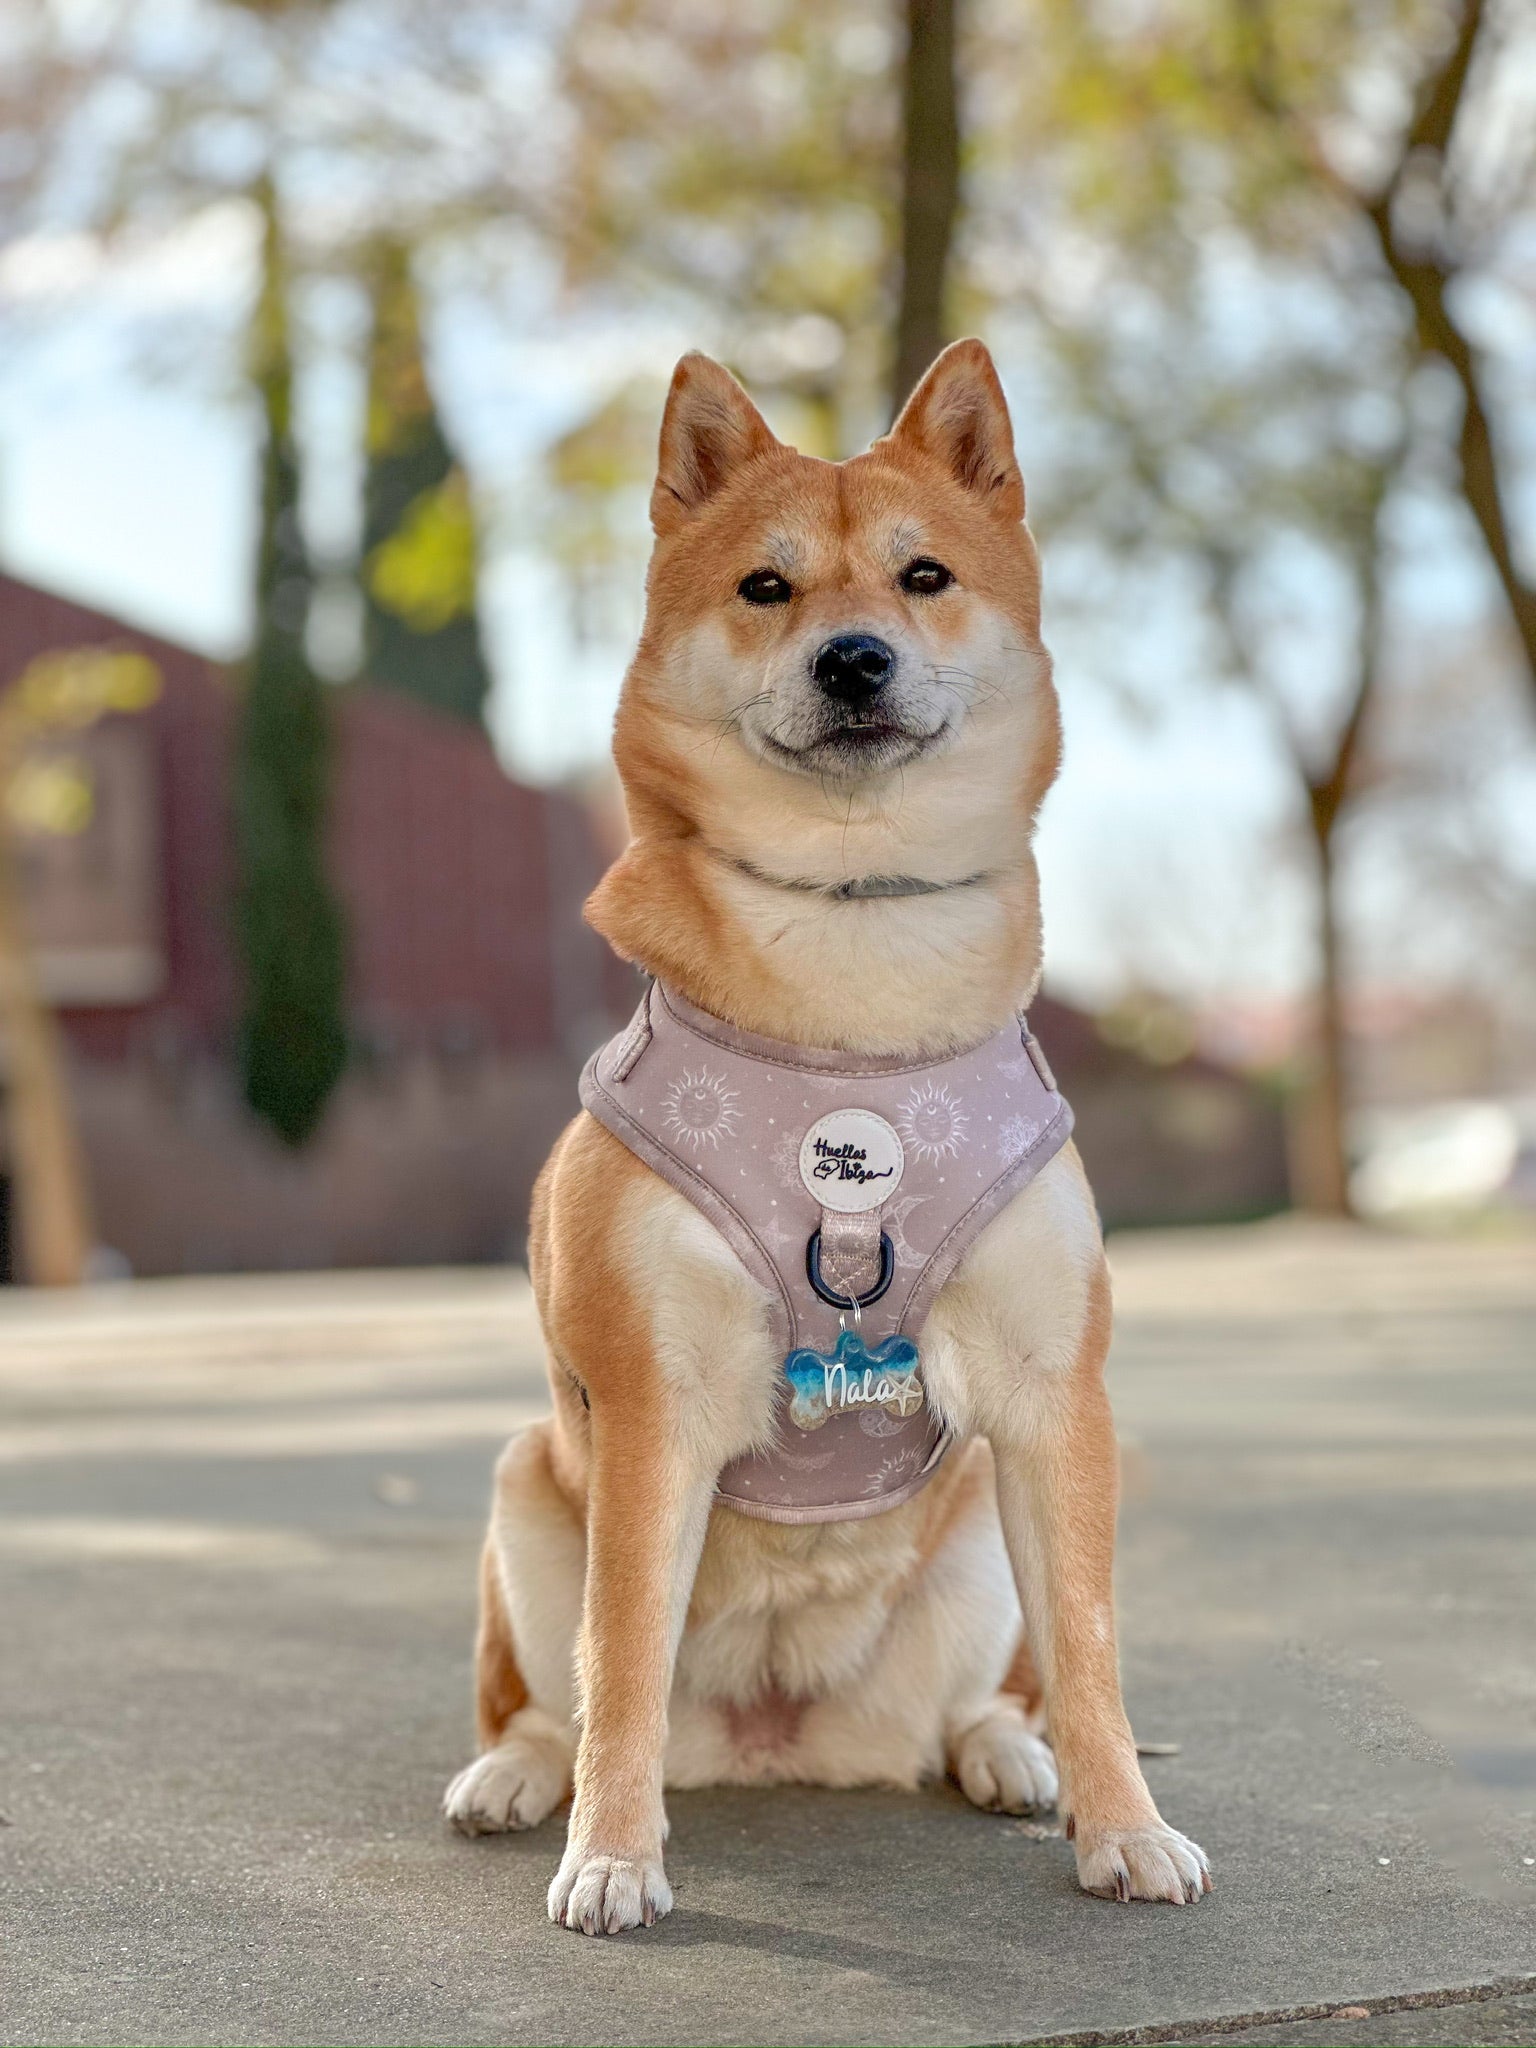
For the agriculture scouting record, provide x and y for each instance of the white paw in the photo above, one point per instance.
(1003, 1768)
(515, 1785)
(606, 1894)
(1155, 1862)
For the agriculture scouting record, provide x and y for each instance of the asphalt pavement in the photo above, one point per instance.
(238, 1529)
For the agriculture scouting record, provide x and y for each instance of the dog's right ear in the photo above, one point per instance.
(709, 429)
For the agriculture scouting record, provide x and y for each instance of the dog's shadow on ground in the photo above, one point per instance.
(928, 1843)
(686, 1928)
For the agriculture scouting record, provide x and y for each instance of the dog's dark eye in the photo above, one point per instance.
(764, 586)
(923, 577)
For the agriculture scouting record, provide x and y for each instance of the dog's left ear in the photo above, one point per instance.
(709, 429)
(959, 416)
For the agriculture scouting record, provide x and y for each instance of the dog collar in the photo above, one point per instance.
(862, 889)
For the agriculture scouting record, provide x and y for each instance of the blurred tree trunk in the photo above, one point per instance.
(1320, 1125)
(290, 928)
(421, 627)
(47, 1173)
(930, 191)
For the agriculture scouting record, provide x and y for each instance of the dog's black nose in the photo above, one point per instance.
(854, 665)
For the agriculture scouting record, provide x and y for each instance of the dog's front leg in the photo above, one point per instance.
(1057, 1486)
(646, 1517)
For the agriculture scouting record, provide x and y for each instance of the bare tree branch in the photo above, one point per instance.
(1426, 274)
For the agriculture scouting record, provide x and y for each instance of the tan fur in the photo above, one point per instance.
(694, 1646)
(499, 1687)
(1021, 1681)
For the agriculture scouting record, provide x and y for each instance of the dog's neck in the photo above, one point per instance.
(903, 921)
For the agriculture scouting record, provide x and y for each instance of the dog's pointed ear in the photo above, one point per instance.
(709, 429)
(959, 416)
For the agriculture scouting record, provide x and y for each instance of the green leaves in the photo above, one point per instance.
(421, 632)
(424, 572)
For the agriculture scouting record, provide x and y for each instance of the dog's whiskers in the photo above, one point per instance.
(722, 728)
(970, 689)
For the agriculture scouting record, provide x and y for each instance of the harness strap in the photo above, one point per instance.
(850, 1251)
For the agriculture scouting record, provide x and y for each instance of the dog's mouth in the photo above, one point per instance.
(854, 746)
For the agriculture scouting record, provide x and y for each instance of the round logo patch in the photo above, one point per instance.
(851, 1160)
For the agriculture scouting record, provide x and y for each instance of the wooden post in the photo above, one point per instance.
(47, 1172)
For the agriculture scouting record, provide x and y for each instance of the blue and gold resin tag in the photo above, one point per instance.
(851, 1376)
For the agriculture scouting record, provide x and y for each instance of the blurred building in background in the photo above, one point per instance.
(1171, 1139)
(474, 989)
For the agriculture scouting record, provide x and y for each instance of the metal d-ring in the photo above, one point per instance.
(849, 1303)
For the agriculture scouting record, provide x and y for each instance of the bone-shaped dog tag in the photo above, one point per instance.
(852, 1376)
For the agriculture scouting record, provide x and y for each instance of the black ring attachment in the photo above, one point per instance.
(846, 1302)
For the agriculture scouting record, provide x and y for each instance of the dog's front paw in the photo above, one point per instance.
(606, 1894)
(1002, 1768)
(515, 1785)
(1153, 1862)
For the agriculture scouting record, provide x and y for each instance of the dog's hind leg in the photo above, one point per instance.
(499, 1688)
(530, 1603)
(1021, 1682)
(999, 1757)
(999, 1763)
(1001, 1760)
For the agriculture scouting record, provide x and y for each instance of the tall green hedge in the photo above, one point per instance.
(421, 628)
(290, 927)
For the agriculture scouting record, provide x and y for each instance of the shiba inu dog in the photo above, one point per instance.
(833, 740)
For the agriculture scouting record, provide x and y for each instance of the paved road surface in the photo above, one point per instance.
(238, 1525)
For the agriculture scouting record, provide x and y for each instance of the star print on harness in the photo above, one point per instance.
(851, 1187)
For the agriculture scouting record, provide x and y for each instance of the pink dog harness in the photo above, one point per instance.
(850, 1186)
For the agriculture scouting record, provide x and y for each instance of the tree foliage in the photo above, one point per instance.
(1368, 163)
(742, 165)
(1240, 253)
(1269, 217)
(421, 630)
